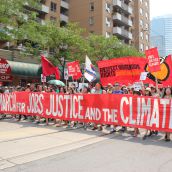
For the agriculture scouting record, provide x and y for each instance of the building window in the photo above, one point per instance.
(107, 34)
(141, 35)
(141, 11)
(108, 7)
(92, 6)
(53, 18)
(147, 38)
(146, 3)
(91, 20)
(147, 47)
(108, 22)
(141, 1)
(141, 23)
(53, 6)
(146, 14)
(146, 26)
(141, 47)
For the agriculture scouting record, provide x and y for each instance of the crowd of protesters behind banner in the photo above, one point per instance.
(97, 88)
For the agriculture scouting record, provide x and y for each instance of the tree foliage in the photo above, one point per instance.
(107, 48)
(17, 14)
(19, 25)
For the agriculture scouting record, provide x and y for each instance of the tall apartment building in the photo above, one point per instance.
(127, 19)
(93, 15)
(55, 10)
(141, 24)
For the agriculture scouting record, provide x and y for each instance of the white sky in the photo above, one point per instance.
(160, 7)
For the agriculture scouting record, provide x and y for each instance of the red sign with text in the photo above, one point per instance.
(4, 67)
(124, 70)
(153, 60)
(124, 110)
(74, 70)
(5, 71)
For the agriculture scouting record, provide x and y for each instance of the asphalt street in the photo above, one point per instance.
(27, 147)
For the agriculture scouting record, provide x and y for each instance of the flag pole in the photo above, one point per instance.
(156, 80)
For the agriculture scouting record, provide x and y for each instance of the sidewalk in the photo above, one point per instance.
(22, 142)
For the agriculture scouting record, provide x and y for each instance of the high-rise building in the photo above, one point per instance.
(58, 10)
(161, 34)
(127, 19)
(93, 15)
(141, 24)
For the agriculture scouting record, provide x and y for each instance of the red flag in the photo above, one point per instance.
(74, 69)
(153, 59)
(48, 68)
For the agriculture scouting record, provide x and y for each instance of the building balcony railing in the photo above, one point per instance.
(64, 18)
(65, 4)
(123, 20)
(44, 8)
(122, 32)
(40, 8)
(123, 6)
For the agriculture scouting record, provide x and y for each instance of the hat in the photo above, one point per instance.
(6, 87)
(28, 84)
(110, 85)
(148, 89)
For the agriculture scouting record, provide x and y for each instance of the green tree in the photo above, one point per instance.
(63, 43)
(101, 48)
(17, 14)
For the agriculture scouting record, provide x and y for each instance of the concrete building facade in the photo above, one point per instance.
(129, 20)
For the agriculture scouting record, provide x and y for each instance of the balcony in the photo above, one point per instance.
(122, 33)
(126, 8)
(64, 4)
(44, 9)
(39, 7)
(41, 21)
(64, 18)
(122, 20)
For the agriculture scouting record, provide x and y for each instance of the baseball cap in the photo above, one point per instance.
(148, 89)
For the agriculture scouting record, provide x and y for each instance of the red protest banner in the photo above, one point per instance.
(74, 69)
(153, 59)
(134, 111)
(124, 70)
(164, 75)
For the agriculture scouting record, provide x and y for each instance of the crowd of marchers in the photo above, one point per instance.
(96, 88)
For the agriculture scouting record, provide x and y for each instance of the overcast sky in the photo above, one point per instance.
(160, 7)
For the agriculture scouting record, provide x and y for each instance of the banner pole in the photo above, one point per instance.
(66, 84)
(156, 80)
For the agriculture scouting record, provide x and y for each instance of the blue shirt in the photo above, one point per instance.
(117, 92)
